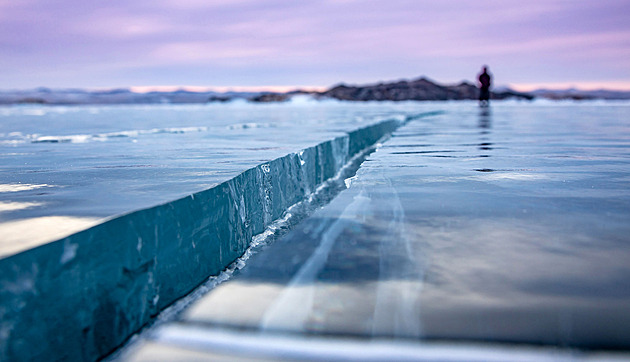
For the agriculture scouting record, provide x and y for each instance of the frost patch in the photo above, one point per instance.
(69, 252)
(348, 181)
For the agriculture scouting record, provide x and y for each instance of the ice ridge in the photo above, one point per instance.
(123, 272)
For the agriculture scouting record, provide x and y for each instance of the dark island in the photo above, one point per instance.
(421, 89)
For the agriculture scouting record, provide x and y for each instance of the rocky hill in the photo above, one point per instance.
(421, 89)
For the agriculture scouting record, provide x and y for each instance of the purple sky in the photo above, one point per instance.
(236, 43)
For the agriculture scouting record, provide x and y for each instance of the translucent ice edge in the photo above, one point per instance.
(82, 296)
(18, 137)
(239, 345)
(293, 215)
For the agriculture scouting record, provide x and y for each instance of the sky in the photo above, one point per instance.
(285, 44)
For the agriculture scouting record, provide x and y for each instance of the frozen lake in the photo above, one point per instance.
(501, 224)
(66, 168)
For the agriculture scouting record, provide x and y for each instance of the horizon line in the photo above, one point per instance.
(520, 87)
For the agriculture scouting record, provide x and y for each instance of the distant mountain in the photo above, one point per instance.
(421, 89)
(114, 96)
(577, 94)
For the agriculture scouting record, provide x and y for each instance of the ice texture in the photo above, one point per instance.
(81, 296)
(506, 226)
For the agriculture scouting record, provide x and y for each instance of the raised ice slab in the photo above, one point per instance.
(79, 297)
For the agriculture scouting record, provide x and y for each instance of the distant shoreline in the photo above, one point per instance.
(421, 89)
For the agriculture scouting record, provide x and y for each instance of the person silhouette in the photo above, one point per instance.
(484, 86)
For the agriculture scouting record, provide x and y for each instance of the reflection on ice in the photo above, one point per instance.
(485, 117)
(494, 175)
(21, 187)
(14, 206)
(196, 343)
(517, 280)
(293, 306)
(20, 235)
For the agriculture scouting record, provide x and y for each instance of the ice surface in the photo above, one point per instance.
(102, 161)
(102, 284)
(506, 224)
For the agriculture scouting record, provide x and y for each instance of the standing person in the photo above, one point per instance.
(484, 86)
